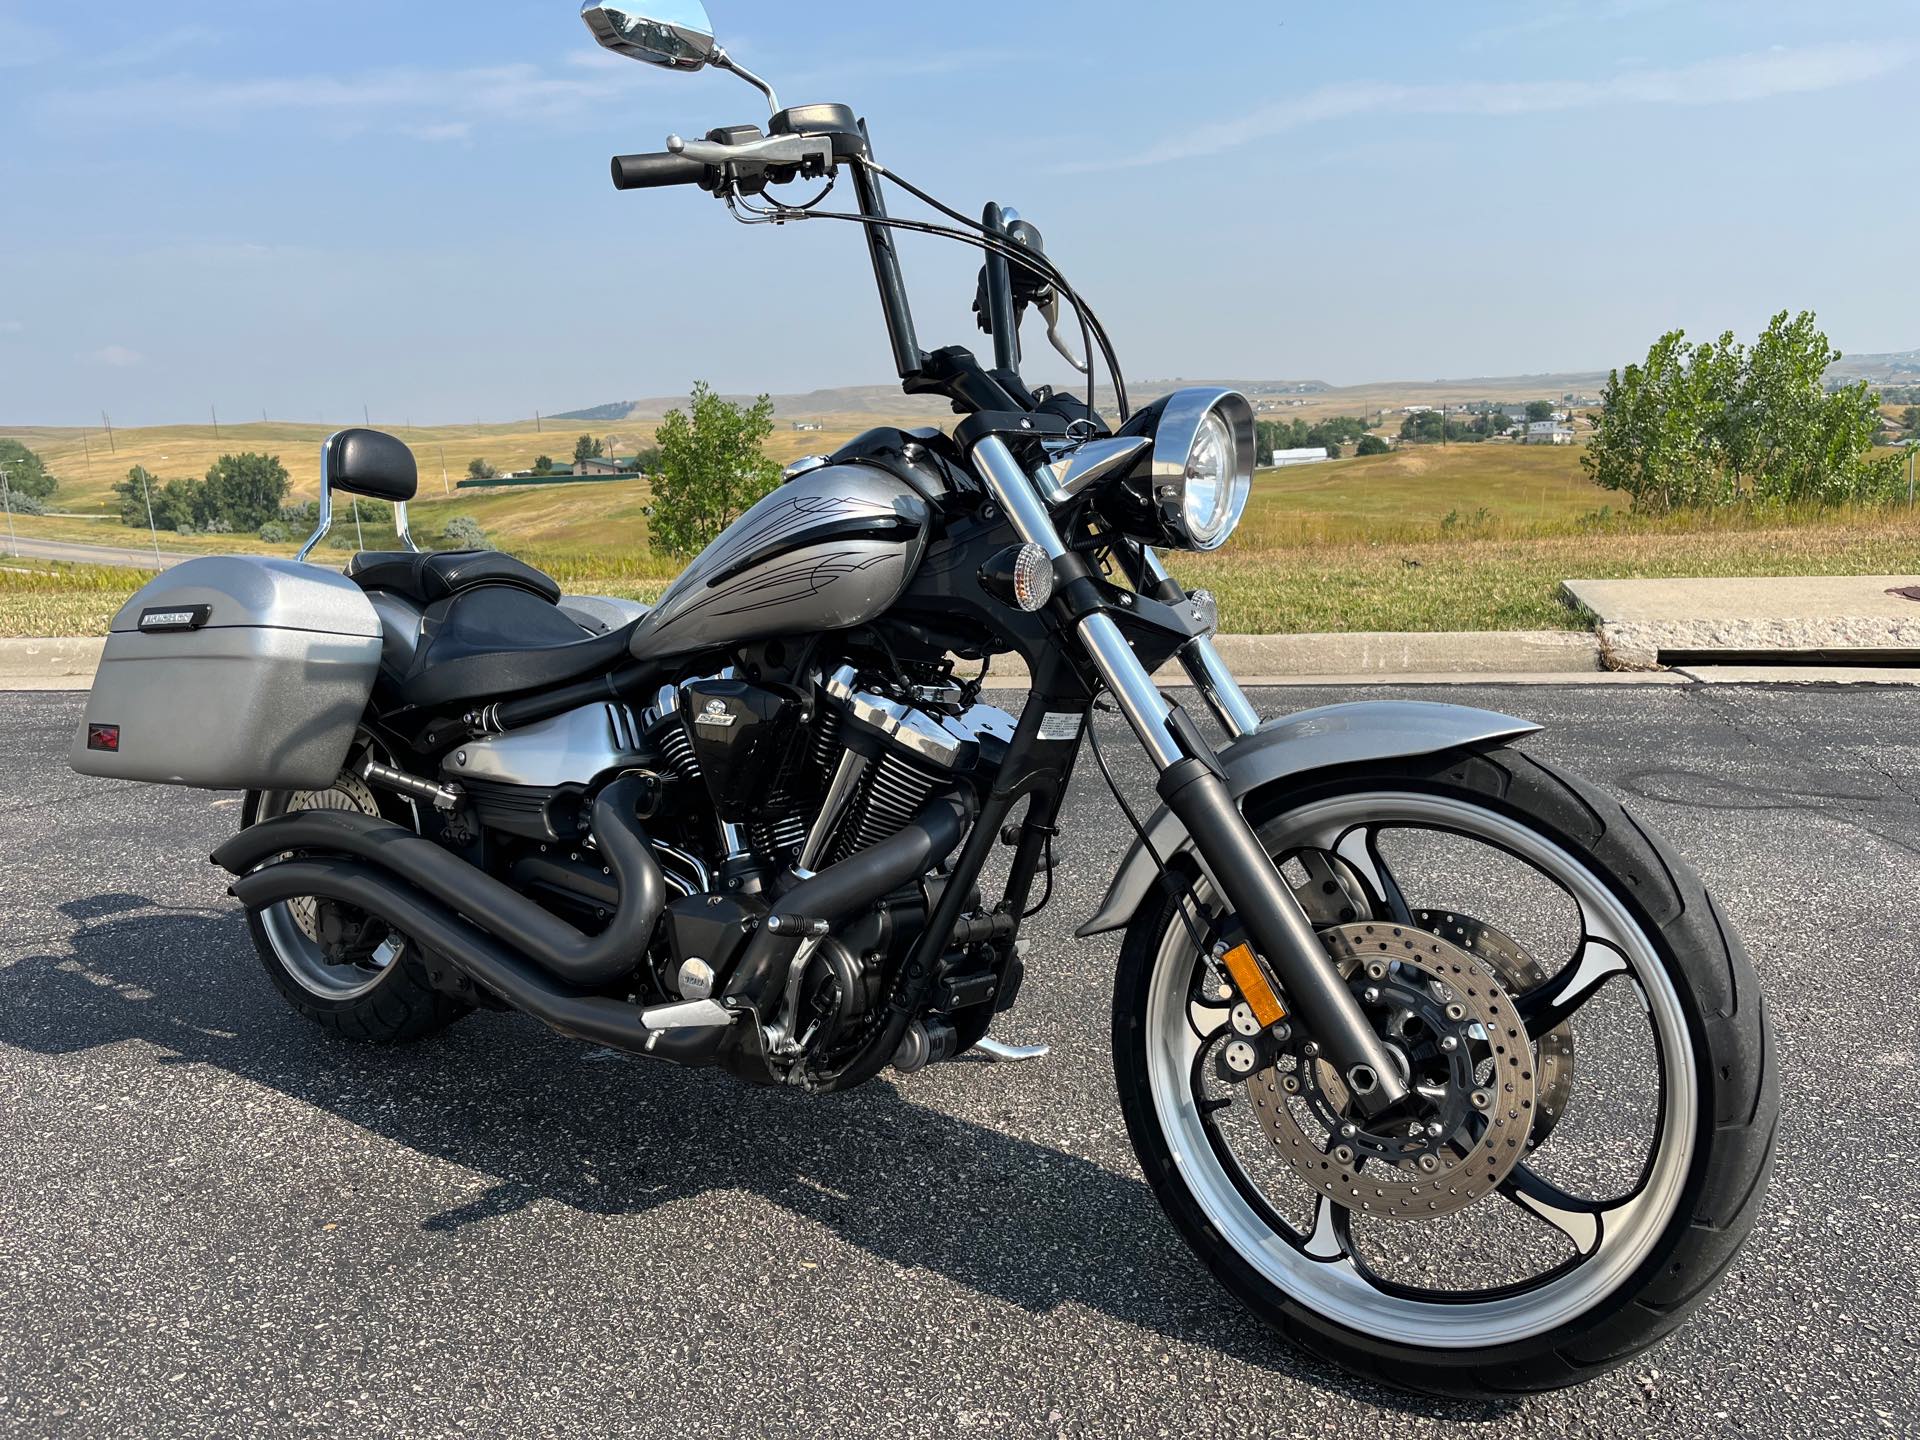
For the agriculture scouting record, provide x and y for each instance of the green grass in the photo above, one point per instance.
(47, 598)
(1461, 537)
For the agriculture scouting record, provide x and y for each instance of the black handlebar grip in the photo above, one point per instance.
(647, 172)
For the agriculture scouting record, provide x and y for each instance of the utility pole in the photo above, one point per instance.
(86, 450)
(365, 418)
(536, 422)
(108, 424)
(153, 531)
(6, 499)
(444, 485)
(216, 421)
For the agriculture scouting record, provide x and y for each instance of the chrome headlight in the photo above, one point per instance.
(1203, 465)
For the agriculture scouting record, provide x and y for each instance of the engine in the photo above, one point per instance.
(808, 776)
(756, 784)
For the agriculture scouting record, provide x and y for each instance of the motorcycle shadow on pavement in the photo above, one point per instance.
(547, 1118)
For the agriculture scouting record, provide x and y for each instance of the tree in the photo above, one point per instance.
(1910, 418)
(480, 470)
(1720, 423)
(26, 472)
(587, 448)
(712, 467)
(646, 459)
(241, 492)
(132, 496)
(1538, 410)
(1371, 445)
(543, 464)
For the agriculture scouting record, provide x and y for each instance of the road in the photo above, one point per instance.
(75, 552)
(218, 1222)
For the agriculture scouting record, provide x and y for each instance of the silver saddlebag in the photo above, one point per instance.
(232, 672)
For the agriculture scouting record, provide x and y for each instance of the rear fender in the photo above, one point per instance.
(1292, 747)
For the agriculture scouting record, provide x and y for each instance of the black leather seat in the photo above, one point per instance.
(425, 576)
(491, 641)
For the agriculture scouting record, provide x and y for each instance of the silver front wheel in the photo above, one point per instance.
(1549, 1028)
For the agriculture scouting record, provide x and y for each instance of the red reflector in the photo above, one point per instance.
(103, 737)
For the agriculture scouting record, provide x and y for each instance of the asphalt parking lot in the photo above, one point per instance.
(214, 1220)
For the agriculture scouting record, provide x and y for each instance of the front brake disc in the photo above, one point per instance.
(1476, 1095)
(1518, 971)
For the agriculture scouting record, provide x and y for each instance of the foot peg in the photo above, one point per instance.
(1002, 1053)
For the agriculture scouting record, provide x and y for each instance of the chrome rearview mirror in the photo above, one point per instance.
(673, 33)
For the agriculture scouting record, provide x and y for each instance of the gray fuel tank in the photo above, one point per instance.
(830, 549)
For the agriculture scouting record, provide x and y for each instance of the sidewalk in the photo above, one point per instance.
(1841, 620)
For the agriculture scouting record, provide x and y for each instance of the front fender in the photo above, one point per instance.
(1291, 746)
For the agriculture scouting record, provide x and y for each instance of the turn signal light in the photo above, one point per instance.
(1250, 978)
(1020, 576)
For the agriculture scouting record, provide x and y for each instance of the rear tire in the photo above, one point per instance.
(1732, 1129)
(395, 1004)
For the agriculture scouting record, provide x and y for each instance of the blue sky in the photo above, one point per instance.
(307, 208)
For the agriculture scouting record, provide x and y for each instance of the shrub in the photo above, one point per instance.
(274, 533)
(463, 532)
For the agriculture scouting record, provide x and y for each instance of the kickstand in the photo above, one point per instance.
(1001, 1052)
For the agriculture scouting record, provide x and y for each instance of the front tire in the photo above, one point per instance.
(387, 998)
(1630, 1269)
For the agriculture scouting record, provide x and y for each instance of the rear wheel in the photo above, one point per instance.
(1594, 1094)
(342, 969)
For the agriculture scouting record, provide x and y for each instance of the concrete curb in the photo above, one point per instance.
(1266, 659)
(68, 664)
(61, 663)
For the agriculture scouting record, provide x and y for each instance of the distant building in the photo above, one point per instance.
(1418, 409)
(597, 465)
(1548, 432)
(1305, 455)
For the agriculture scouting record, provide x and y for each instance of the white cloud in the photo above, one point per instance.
(444, 130)
(12, 327)
(1725, 80)
(118, 356)
(414, 101)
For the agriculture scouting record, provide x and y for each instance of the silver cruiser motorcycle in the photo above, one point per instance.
(1442, 1063)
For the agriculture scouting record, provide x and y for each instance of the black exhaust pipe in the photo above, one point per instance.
(465, 889)
(599, 1019)
(843, 889)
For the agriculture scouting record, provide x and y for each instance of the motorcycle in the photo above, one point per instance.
(748, 827)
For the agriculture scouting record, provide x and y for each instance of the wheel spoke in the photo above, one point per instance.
(1547, 1005)
(1331, 1238)
(1360, 848)
(1584, 1222)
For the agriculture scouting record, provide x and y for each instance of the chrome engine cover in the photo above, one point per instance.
(569, 749)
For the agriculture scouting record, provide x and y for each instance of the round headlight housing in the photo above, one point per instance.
(1203, 465)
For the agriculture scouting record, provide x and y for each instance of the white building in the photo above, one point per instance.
(1305, 455)
(1548, 432)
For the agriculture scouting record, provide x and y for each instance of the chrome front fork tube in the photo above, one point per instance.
(1201, 660)
(1194, 788)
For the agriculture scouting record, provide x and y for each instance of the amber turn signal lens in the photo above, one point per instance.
(1250, 977)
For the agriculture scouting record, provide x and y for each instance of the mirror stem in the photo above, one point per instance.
(721, 60)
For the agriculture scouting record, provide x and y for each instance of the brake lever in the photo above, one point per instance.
(812, 153)
(1049, 308)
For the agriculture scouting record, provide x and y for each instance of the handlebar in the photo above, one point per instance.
(658, 168)
(736, 156)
